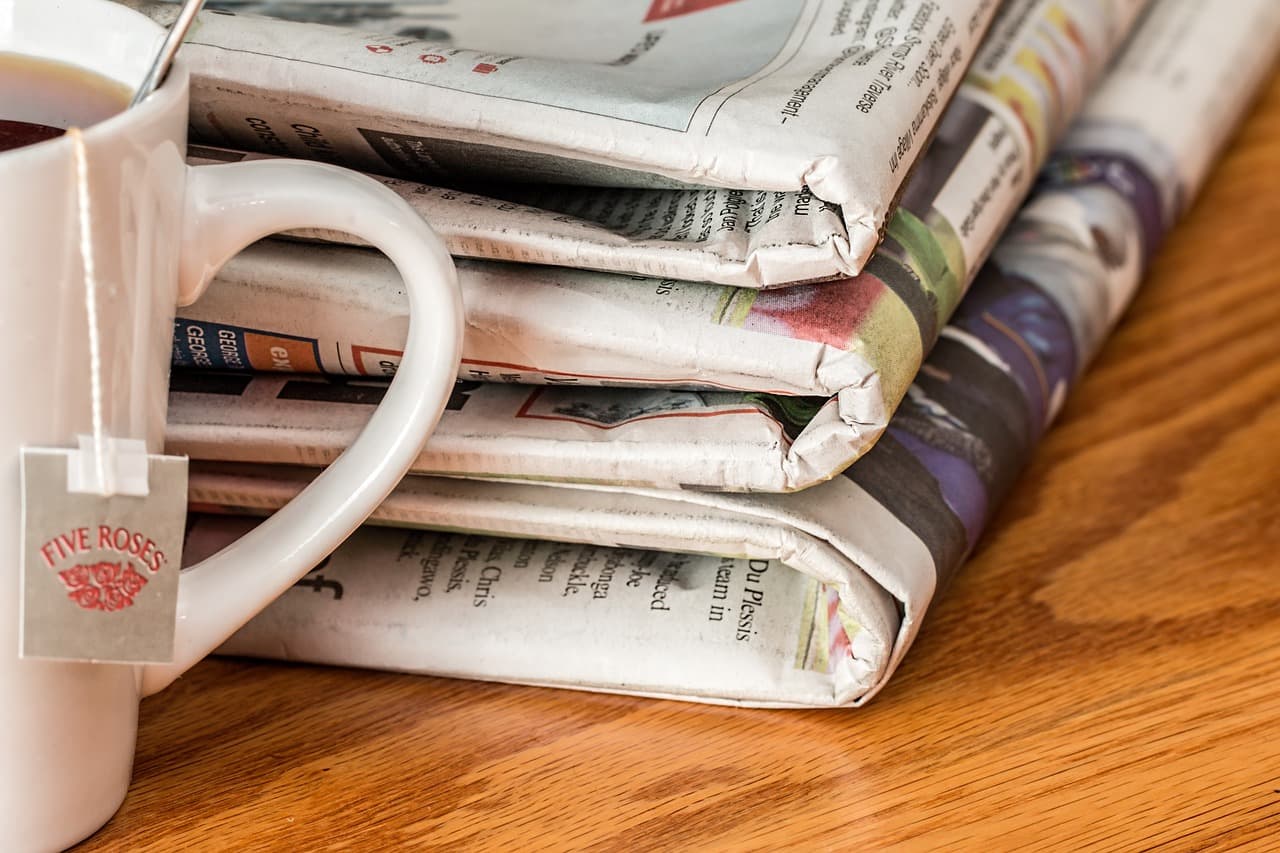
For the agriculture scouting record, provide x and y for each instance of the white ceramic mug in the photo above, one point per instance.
(160, 230)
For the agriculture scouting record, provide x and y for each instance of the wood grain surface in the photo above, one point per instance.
(1106, 671)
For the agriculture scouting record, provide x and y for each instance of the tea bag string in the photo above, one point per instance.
(105, 485)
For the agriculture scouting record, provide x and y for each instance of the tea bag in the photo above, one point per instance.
(102, 522)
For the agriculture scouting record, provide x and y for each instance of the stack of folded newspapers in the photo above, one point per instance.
(724, 423)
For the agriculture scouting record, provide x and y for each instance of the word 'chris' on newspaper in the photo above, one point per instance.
(805, 599)
(835, 100)
(855, 343)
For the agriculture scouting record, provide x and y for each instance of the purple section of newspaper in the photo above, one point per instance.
(990, 387)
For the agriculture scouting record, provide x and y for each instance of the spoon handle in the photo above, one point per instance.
(160, 67)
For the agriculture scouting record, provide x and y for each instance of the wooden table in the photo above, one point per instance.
(1106, 670)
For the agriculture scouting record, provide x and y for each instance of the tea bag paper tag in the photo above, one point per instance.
(100, 571)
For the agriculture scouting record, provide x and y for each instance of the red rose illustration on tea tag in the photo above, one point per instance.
(102, 586)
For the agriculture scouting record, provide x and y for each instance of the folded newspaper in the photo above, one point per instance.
(726, 236)
(792, 96)
(856, 342)
(805, 599)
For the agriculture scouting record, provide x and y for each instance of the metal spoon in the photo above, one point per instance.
(160, 67)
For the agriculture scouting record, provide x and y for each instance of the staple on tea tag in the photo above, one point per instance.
(123, 460)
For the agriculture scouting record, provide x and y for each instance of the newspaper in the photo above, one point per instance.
(804, 599)
(856, 342)
(742, 238)
(832, 99)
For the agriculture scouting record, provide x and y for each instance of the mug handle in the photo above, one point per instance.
(228, 207)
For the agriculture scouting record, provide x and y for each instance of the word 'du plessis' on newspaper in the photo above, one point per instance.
(855, 343)
(762, 105)
(803, 599)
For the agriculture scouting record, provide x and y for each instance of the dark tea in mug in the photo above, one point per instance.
(40, 99)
